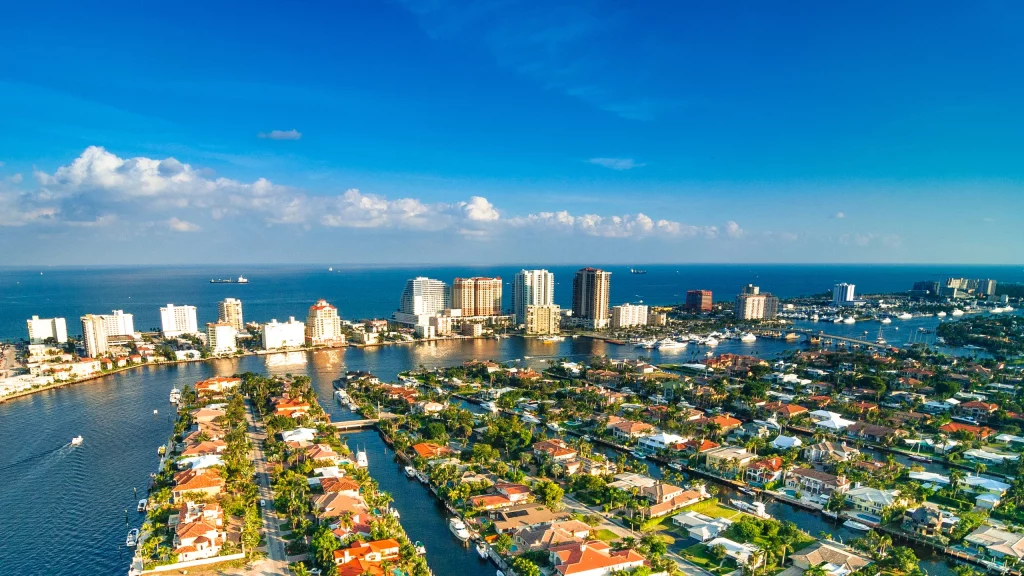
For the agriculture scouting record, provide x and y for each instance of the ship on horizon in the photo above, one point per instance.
(239, 280)
(637, 271)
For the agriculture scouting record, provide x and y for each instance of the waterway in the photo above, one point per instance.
(64, 508)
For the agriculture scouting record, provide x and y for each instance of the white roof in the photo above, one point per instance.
(784, 442)
(299, 435)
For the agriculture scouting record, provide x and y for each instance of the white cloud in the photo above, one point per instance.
(733, 230)
(182, 226)
(292, 134)
(616, 163)
(15, 179)
(839, 216)
(478, 209)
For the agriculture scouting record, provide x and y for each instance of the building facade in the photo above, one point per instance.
(117, 323)
(590, 291)
(532, 288)
(178, 320)
(94, 335)
(752, 304)
(543, 319)
(477, 296)
(323, 325)
(229, 310)
(424, 296)
(39, 329)
(288, 334)
(843, 294)
(629, 315)
(221, 337)
(698, 300)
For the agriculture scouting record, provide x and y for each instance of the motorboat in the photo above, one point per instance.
(996, 310)
(143, 505)
(361, 460)
(394, 512)
(638, 455)
(422, 477)
(553, 426)
(646, 344)
(587, 437)
(420, 548)
(711, 342)
(919, 458)
(957, 312)
(491, 406)
(748, 337)
(175, 396)
(76, 440)
(886, 320)
(481, 549)
(530, 418)
(551, 339)
(133, 538)
(830, 514)
(458, 528)
(854, 525)
(755, 509)
(849, 320)
(410, 472)
(940, 314)
(815, 317)
(670, 344)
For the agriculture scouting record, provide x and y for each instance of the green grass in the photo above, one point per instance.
(713, 509)
(700, 555)
(606, 535)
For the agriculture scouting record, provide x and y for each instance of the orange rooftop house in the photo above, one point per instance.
(361, 558)
(206, 482)
(556, 448)
(594, 558)
(430, 451)
(982, 432)
(292, 408)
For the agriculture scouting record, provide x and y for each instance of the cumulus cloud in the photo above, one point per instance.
(733, 230)
(870, 238)
(182, 226)
(292, 134)
(15, 179)
(616, 163)
(625, 226)
(839, 216)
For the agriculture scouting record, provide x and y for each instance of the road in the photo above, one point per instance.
(276, 563)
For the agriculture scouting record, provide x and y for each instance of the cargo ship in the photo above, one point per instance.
(239, 280)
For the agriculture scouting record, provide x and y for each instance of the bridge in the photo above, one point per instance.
(350, 425)
(834, 338)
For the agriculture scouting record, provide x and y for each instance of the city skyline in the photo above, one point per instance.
(494, 131)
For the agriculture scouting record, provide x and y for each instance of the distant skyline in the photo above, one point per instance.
(422, 132)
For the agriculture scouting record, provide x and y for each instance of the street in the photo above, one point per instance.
(276, 563)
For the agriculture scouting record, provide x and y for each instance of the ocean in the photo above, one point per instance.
(368, 292)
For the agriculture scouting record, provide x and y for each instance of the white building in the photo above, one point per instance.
(543, 319)
(532, 288)
(222, 338)
(288, 334)
(842, 294)
(660, 441)
(117, 323)
(40, 329)
(422, 298)
(323, 325)
(230, 310)
(178, 320)
(627, 315)
(94, 335)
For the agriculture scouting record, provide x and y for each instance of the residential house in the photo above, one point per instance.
(764, 472)
(982, 432)
(217, 385)
(815, 482)
(873, 432)
(728, 458)
(557, 449)
(977, 410)
(700, 527)
(626, 430)
(207, 482)
(544, 537)
(785, 411)
(830, 452)
(996, 543)
(198, 539)
(320, 455)
(659, 441)
(331, 506)
(292, 408)
(524, 516)
(592, 558)
(365, 558)
(872, 500)
(739, 552)
(431, 451)
(835, 559)
(928, 521)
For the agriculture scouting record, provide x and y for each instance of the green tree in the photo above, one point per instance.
(324, 544)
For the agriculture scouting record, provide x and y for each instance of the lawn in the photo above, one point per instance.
(700, 555)
(713, 509)
(606, 535)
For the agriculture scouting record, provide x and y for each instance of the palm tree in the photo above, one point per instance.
(956, 478)
(883, 542)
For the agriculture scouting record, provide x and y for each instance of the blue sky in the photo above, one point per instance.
(436, 131)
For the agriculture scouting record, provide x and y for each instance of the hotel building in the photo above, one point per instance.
(178, 320)
(698, 300)
(590, 291)
(39, 329)
(477, 296)
(221, 337)
(628, 315)
(752, 304)
(229, 310)
(543, 319)
(532, 288)
(290, 334)
(323, 325)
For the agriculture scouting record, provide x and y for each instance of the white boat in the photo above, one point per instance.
(242, 280)
(837, 320)
(711, 342)
(638, 455)
(133, 538)
(530, 418)
(143, 504)
(76, 440)
(748, 337)
(646, 344)
(551, 339)
(394, 512)
(670, 344)
(553, 426)
(904, 315)
(755, 509)
(420, 548)
(361, 460)
(886, 320)
(849, 320)
(410, 472)
(854, 525)
(940, 314)
(957, 312)
(814, 318)
(481, 549)
(996, 310)
(491, 406)
(341, 396)
(458, 528)
(175, 396)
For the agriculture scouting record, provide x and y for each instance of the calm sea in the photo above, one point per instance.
(283, 291)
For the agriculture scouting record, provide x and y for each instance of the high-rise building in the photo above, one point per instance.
(843, 294)
(178, 320)
(221, 337)
(543, 319)
(323, 325)
(229, 310)
(628, 315)
(94, 335)
(39, 329)
(987, 287)
(752, 304)
(698, 300)
(532, 288)
(288, 334)
(424, 296)
(590, 291)
(925, 288)
(477, 296)
(117, 323)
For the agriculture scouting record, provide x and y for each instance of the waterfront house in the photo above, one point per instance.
(830, 452)
(206, 482)
(659, 441)
(784, 411)
(292, 408)
(217, 385)
(928, 521)
(489, 501)
(524, 516)
(516, 493)
(595, 467)
(783, 442)
(592, 558)
(723, 422)
(700, 527)
(764, 472)
(556, 449)
(741, 553)
(728, 458)
(365, 558)
(331, 506)
(815, 482)
(872, 500)
(431, 451)
(829, 420)
(625, 430)
(427, 407)
(996, 543)
(198, 539)
(835, 559)
(977, 410)
(699, 446)
(667, 505)
(320, 455)
(982, 432)
(300, 436)
(206, 448)
(989, 457)
(340, 485)
(207, 414)
(545, 536)
(872, 432)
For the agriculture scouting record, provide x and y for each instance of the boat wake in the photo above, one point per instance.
(56, 452)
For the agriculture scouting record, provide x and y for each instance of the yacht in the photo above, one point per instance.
(748, 337)
(410, 472)
(957, 312)
(133, 538)
(814, 318)
(849, 320)
(481, 549)
(175, 396)
(551, 339)
(996, 310)
(422, 477)
(854, 525)
(940, 314)
(491, 406)
(420, 548)
(905, 316)
(886, 320)
(711, 342)
(638, 455)
(837, 320)
(142, 505)
(361, 460)
(458, 527)
(756, 509)
(647, 344)
(76, 440)
(553, 426)
(670, 344)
